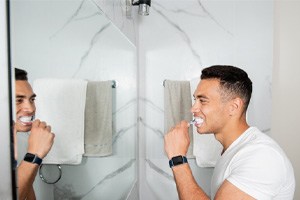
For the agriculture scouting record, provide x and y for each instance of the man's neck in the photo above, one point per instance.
(230, 133)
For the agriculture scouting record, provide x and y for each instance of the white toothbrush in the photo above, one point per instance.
(196, 120)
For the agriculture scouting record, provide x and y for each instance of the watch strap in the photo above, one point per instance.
(177, 160)
(32, 158)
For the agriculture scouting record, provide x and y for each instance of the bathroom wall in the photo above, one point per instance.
(122, 15)
(286, 93)
(176, 41)
(73, 39)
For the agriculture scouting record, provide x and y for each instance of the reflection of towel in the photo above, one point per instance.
(206, 148)
(61, 103)
(98, 119)
(177, 107)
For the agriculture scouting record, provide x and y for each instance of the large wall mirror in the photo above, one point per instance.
(73, 40)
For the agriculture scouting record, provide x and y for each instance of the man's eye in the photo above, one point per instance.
(18, 101)
(32, 100)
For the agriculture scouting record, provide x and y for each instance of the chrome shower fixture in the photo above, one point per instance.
(144, 6)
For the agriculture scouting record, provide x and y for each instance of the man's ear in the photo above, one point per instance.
(236, 106)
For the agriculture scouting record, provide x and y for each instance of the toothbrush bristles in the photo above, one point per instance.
(192, 122)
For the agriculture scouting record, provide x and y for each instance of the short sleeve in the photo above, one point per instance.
(258, 171)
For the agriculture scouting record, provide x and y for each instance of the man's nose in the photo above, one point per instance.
(29, 106)
(195, 107)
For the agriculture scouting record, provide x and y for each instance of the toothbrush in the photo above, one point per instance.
(196, 120)
(192, 122)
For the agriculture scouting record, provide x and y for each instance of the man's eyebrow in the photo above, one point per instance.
(200, 96)
(20, 96)
(23, 96)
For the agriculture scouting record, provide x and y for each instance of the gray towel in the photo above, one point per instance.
(177, 107)
(98, 119)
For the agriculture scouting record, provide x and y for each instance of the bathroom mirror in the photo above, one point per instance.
(73, 39)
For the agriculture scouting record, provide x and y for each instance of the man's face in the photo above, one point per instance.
(209, 107)
(25, 106)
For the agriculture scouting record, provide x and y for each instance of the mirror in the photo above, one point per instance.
(73, 39)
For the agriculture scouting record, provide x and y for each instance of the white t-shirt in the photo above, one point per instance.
(256, 165)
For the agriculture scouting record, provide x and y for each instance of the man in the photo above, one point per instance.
(40, 139)
(252, 165)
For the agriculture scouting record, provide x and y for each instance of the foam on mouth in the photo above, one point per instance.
(196, 121)
(26, 119)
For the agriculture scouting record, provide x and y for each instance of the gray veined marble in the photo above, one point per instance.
(92, 42)
(74, 17)
(183, 34)
(213, 18)
(115, 10)
(204, 13)
(152, 105)
(159, 170)
(122, 131)
(179, 11)
(160, 9)
(67, 191)
(155, 130)
(130, 103)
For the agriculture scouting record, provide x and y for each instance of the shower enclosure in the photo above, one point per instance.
(99, 40)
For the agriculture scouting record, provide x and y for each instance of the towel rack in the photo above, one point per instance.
(114, 83)
(47, 181)
(164, 82)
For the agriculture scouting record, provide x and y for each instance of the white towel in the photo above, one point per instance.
(61, 103)
(207, 149)
(177, 106)
(98, 119)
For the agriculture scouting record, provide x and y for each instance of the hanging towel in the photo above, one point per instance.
(207, 149)
(98, 119)
(177, 105)
(61, 103)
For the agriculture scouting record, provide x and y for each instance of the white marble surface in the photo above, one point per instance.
(73, 39)
(176, 41)
(123, 16)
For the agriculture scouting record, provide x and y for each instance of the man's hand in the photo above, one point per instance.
(177, 140)
(40, 139)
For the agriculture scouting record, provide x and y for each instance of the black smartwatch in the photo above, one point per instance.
(177, 160)
(32, 158)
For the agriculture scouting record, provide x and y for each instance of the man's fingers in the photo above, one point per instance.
(184, 124)
(36, 122)
(48, 128)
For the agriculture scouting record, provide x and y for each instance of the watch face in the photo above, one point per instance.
(29, 157)
(177, 160)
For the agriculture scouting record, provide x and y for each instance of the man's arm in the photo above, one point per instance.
(26, 175)
(186, 185)
(31, 194)
(229, 191)
(176, 143)
(40, 142)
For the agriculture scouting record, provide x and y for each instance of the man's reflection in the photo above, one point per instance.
(40, 139)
